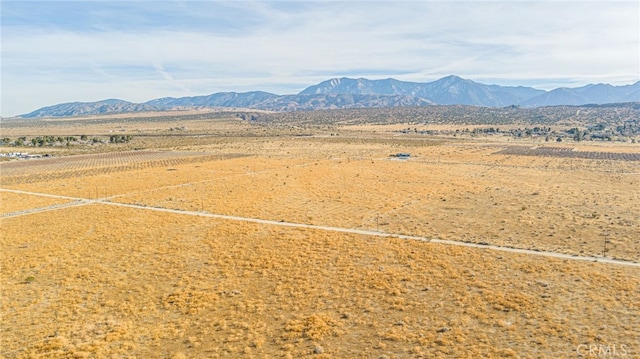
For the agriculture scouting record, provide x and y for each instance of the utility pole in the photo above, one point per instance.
(605, 249)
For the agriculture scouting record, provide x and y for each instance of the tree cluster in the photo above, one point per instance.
(42, 141)
(120, 138)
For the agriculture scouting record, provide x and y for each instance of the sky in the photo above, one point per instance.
(66, 51)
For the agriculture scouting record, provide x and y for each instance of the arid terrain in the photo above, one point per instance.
(211, 236)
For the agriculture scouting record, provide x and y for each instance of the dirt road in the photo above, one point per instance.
(106, 201)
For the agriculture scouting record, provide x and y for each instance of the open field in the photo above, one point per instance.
(84, 276)
(15, 202)
(165, 285)
(453, 191)
(41, 170)
(568, 152)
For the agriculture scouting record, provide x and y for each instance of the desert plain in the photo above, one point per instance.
(217, 237)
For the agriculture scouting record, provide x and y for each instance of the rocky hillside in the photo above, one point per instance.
(347, 93)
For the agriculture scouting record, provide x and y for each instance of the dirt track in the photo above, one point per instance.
(85, 201)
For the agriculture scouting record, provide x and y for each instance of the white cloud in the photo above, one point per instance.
(284, 47)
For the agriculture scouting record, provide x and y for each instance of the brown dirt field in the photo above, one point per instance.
(70, 163)
(106, 281)
(47, 169)
(568, 152)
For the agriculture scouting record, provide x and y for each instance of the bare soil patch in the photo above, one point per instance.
(46, 169)
(569, 152)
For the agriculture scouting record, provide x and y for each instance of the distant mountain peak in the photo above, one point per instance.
(454, 77)
(345, 92)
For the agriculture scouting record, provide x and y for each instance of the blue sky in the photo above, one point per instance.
(65, 51)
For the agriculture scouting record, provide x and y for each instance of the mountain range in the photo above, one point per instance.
(363, 93)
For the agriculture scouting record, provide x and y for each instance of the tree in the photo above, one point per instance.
(120, 139)
(577, 135)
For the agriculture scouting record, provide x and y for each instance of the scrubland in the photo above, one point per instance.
(129, 282)
(16, 202)
(101, 280)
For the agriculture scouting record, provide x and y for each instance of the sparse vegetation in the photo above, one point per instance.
(50, 141)
(162, 284)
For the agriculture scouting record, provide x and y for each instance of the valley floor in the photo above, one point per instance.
(91, 271)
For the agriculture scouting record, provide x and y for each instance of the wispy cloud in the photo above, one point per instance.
(136, 50)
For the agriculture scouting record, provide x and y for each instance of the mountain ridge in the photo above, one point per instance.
(347, 92)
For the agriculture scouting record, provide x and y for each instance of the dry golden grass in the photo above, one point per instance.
(104, 281)
(16, 202)
(452, 192)
(151, 284)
